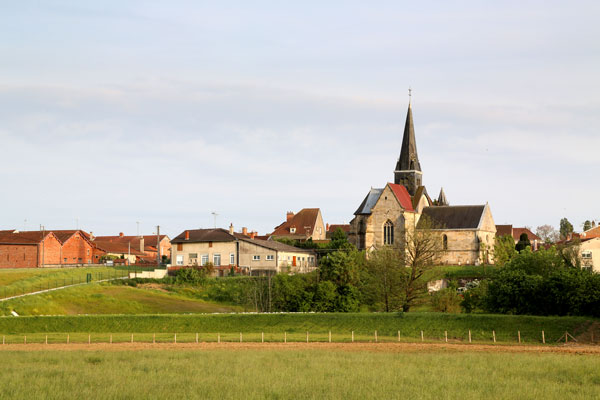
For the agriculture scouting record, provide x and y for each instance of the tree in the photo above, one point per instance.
(385, 277)
(421, 247)
(504, 249)
(523, 242)
(566, 228)
(547, 233)
(587, 225)
(343, 266)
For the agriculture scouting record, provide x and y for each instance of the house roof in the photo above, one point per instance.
(25, 238)
(402, 195)
(591, 233)
(304, 221)
(369, 201)
(503, 230)
(204, 235)
(453, 217)
(530, 235)
(344, 227)
(117, 247)
(149, 240)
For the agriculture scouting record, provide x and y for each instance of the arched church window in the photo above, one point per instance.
(388, 233)
(445, 242)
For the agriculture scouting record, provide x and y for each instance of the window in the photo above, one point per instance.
(255, 258)
(270, 257)
(586, 254)
(388, 233)
(204, 259)
(79, 259)
(193, 255)
(179, 260)
(65, 260)
(216, 259)
(292, 230)
(232, 259)
(444, 242)
(88, 252)
(179, 246)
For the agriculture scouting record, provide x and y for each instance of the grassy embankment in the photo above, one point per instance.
(306, 374)
(26, 280)
(341, 325)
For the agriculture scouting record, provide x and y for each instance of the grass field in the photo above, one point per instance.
(294, 374)
(109, 299)
(26, 280)
(341, 325)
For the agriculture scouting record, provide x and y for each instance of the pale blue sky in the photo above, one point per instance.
(161, 112)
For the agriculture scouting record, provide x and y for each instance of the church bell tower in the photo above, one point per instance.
(408, 169)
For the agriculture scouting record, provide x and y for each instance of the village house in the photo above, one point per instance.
(48, 248)
(590, 253)
(306, 224)
(225, 250)
(334, 227)
(138, 249)
(387, 215)
(509, 230)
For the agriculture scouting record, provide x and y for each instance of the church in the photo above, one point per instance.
(466, 233)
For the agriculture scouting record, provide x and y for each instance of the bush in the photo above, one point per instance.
(446, 300)
(190, 276)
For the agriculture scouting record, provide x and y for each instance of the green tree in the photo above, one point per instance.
(504, 249)
(523, 243)
(342, 266)
(385, 278)
(566, 228)
(587, 225)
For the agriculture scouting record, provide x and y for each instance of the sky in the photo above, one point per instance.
(159, 113)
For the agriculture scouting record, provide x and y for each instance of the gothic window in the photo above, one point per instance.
(444, 242)
(388, 233)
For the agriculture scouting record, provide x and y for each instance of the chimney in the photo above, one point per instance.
(120, 234)
(289, 216)
(187, 235)
(92, 237)
(252, 235)
(327, 227)
(244, 231)
(231, 228)
(141, 244)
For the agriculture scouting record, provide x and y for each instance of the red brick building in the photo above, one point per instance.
(29, 249)
(144, 247)
(76, 247)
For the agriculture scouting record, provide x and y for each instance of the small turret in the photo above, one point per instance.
(441, 200)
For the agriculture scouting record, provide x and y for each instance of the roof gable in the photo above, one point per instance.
(402, 196)
(369, 201)
(303, 223)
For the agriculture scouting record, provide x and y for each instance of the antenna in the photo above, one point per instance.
(214, 214)
(138, 227)
(409, 95)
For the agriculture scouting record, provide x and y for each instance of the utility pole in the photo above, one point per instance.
(157, 245)
(43, 229)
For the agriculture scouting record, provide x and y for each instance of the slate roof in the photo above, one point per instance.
(408, 152)
(453, 217)
(305, 219)
(369, 201)
(204, 235)
(441, 200)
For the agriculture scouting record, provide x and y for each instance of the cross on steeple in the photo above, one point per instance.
(409, 95)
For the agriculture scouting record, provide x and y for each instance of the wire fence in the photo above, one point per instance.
(45, 284)
(281, 337)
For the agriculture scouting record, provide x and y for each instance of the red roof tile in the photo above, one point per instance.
(304, 222)
(402, 195)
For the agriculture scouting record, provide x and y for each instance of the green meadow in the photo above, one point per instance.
(293, 374)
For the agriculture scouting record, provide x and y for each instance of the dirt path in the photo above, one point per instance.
(371, 347)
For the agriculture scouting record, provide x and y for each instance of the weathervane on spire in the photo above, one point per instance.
(409, 95)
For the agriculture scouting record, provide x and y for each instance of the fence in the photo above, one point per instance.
(46, 283)
(271, 337)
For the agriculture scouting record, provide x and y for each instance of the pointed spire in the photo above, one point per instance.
(409, 159)
(442, 201)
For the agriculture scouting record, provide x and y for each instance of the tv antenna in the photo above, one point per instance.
(214, 214)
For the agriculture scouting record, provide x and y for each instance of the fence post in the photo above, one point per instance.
(218, 338)
(494, 336)
(25, 339)
(111, 338)
(375, 336)
(422, 338)
(153, 338)
(398, 335)
(132, 338)
(329, 336)
(519, 336)
(241, 337)
(3, 339)
(68, 338)
(46, 339)
(262, 337)
(566, 337)
(196, 337)
(352, 336)
(284, 337)
(446, 336)
(306, 336)
(89, 338)
(175, 339)
(469, 336)
(543, 338)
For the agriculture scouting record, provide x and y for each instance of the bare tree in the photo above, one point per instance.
(421, 247)
(547, 233)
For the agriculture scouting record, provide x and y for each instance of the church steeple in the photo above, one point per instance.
(408, 169)
(442, 201)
